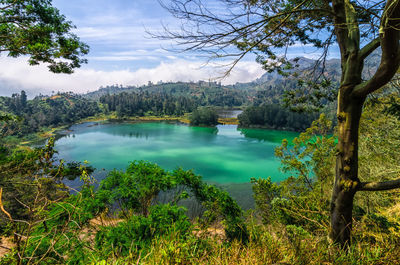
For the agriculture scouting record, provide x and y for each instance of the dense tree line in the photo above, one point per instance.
(140, 104)
(276, 117)
(205, 93)
(60, 109)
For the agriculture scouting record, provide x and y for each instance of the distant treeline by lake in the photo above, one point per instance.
(30, 116)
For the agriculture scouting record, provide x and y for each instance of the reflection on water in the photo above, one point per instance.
(265, 135)
(229, 113)
(144, 130)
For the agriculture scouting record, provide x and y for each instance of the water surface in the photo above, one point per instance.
(223, 154)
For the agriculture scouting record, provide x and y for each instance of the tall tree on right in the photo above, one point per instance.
(271, 28)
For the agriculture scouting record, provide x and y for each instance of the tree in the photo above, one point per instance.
(270, 28)
(37, 29)
(205, 116)
(23, 99)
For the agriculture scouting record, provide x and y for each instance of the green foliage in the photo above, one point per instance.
(137, 233)
(33, 115)
(264, 191)
(181, 94)
(303, 198)
(379, 223)
(31, 181)
(142, 103)
(393, 107)
(59, 234)
(378, 155)
(37, 29)
(205, 116)
(137, 188)
(218, 204)
(294, 212)
(309, 156)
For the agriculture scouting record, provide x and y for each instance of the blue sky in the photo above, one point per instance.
(115, 31)
(121, 52)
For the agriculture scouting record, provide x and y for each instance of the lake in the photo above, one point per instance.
(225, 154)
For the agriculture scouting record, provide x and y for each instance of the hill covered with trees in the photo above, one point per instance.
(45, 111)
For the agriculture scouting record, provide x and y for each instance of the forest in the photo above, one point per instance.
(44, 111)
(338, 204)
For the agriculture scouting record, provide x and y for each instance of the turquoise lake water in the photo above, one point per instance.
(224, 154)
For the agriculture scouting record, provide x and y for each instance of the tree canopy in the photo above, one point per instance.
(37, 29)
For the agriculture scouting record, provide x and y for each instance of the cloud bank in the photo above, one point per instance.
(17, 75)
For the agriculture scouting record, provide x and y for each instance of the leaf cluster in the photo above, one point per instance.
(37, 29)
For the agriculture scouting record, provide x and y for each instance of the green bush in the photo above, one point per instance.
(136, 233)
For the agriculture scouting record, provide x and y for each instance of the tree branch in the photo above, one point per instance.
(341, 30)
(369, 48)
(2, 207)
(390, 60)
(380, 186)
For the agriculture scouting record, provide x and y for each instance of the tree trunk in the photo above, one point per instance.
(346, 179)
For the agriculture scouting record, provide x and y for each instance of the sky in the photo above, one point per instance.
(121, 52)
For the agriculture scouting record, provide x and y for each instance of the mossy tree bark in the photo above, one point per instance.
(346, 180)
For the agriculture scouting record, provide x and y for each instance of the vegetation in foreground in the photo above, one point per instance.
(144, 214)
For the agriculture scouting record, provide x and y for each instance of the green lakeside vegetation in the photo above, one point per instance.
(151, 225)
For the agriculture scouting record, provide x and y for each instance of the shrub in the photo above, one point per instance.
(136, 233)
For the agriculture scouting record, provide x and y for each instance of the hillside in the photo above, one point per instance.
(205, 93)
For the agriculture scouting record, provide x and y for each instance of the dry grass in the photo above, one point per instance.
(228, 121)
(6, 245)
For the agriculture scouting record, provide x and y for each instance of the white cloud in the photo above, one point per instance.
(16, 74)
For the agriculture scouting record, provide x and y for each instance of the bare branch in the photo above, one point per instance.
(247, 27)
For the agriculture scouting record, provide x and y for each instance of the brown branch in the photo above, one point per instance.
(2, 206)
(380, 186)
